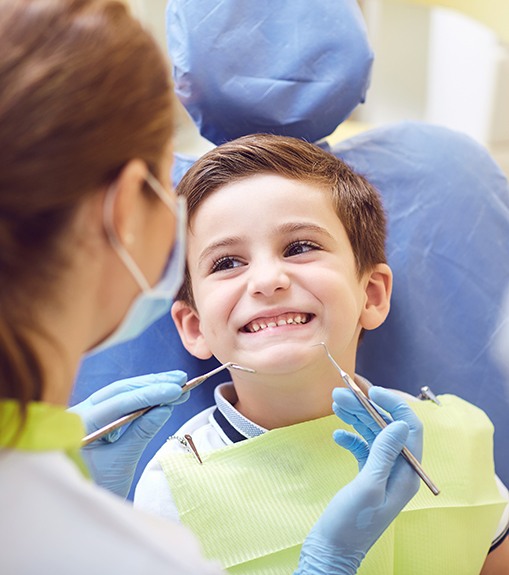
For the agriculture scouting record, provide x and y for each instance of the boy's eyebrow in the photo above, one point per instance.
(222, 243)
(304, 227)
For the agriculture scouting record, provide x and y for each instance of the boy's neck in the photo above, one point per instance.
(278, 404)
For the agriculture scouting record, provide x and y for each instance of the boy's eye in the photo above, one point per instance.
(300, 247)
(225, 263)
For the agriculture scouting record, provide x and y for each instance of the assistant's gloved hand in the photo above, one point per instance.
(112, 460)
(361, 511)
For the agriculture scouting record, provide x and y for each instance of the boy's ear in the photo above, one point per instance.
(188, 325)
(378, 287)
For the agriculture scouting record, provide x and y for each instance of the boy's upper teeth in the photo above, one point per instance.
(280, 320)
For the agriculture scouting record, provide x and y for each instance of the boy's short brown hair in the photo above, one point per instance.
(356, 201)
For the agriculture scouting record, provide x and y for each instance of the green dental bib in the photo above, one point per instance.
(253, 503)
(47, 428)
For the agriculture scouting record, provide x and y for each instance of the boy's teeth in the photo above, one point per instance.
(275, 322)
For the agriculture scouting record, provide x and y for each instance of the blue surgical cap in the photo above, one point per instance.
(294, 68)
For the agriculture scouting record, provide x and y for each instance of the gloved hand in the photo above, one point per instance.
(112, 460)
(361, 511)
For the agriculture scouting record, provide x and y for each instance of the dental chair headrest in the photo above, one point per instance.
(290, 68)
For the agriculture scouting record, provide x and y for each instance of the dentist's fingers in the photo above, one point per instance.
(349, 409)
(357, 446)
(400, 411)
(144, 428)
(385, 450)
(137, 382)
(129, 395)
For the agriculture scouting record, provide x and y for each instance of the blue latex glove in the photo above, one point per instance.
(112, 460)
(361, 511)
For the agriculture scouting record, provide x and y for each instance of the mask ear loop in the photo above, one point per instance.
(176, 262)
(116, 244)
(175, 266)
(178, 207)
(163, 195)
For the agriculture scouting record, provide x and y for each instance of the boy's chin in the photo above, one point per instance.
(282, 359)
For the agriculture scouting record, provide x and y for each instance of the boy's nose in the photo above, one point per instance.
(267, 278)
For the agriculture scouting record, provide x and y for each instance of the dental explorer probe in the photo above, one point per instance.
(191, 384)
(371, 409)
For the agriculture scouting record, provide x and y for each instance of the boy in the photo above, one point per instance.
(286, 250)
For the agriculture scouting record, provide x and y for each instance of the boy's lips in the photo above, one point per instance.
(280, 320)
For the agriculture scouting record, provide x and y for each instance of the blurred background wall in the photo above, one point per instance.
(152, 14)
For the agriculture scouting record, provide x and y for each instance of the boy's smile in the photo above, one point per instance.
(273, 273)
(276, 321)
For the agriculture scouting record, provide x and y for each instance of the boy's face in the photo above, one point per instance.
(273, 273)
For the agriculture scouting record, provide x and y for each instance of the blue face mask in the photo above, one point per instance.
(153, 302)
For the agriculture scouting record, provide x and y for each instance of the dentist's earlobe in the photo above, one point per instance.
(378, 297)
(127, 199)
(187, 322)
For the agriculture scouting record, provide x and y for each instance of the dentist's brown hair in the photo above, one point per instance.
(84, 89)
